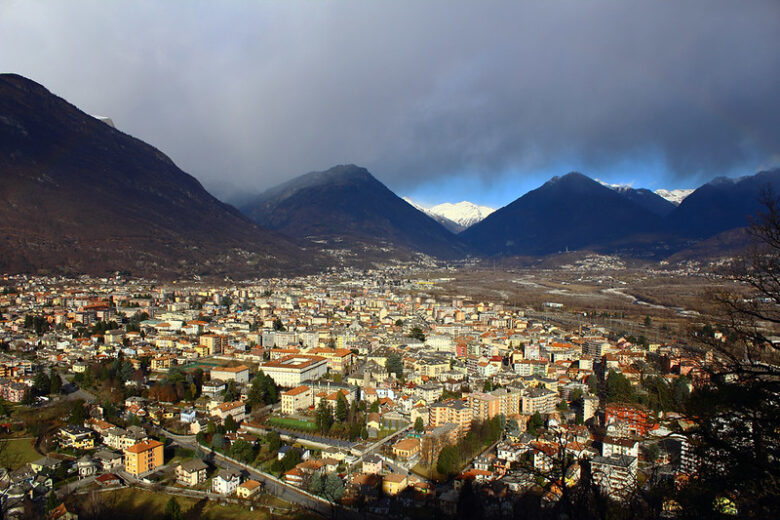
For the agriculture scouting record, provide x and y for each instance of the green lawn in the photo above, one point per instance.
(295, 424)
(15, 453)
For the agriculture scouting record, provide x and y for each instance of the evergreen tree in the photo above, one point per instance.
(342, 408)
(324, 419)
(419, 426)
(56, 383)
(173, 510)
(394, 365)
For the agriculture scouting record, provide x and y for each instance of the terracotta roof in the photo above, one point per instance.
(144, 446)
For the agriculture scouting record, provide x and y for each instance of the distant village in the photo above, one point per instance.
(364, 390)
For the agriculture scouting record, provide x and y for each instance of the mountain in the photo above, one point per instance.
(79, 196)
(721, 205)
(674, 196)
(347, 209)
(455, 217)
(449, 225)
(570, 212)
(643, 197)
(464, 213)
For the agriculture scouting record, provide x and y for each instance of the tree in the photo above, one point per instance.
(316, 484)
(78, 412)
(242, 450)
(449, 461)
(273, 440)
(342, 408)
(417, 333)
(173, 510)
(29, 397)
(394, 365)
(278, 325)
(333, 487)
(263, 390)
(324, 418)
(51, 501)
(230, 424)
(735, 439)
(56, 383)
(419, 425)
(374, 408)
(231, 393)
(619, 388)
(534, 423)
(291, 459)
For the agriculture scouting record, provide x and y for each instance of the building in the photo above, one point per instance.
(191, 472)
(611, 446)
(236, 409)
(406, 448)
(293, 370)
(143, 457)
(510, 399)
(484, 406)
(540, 400)
(616, 475)
(248, 489)
(372, 464)
(213, 343)
(213, 388)
(453, 411)
(239, 374)
(121, 439)
(394, 483)
(76, 437)
(299, 398)
(590, 403)
(636, 418)
(226, 482)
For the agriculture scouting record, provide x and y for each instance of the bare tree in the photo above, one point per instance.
(736, 447)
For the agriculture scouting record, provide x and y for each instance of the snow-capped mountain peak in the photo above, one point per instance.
(616, 187)
(462, 214)
(674, 196)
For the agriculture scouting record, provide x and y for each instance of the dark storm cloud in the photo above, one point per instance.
(244, 96)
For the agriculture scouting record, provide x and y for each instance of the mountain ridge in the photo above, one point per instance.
(78, 195)
(348, 208)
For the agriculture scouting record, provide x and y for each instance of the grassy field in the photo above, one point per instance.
(15, 453)
(292, 423)
(134, 503)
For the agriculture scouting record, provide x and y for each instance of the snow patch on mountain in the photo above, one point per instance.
(674, 196)
(616, 187)
(463, 214)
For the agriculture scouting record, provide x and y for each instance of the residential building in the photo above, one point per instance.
(248, 489)
(484, 406)
(191, 472)
(78, 437)
(453, 411)
(540, 400)
(236, 409)
(616, 475)
(143, 457)
(394, 483)
(226, 482)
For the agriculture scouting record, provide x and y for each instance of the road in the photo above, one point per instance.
(271, 484)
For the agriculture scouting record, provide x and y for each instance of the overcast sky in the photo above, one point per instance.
(441, 100)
